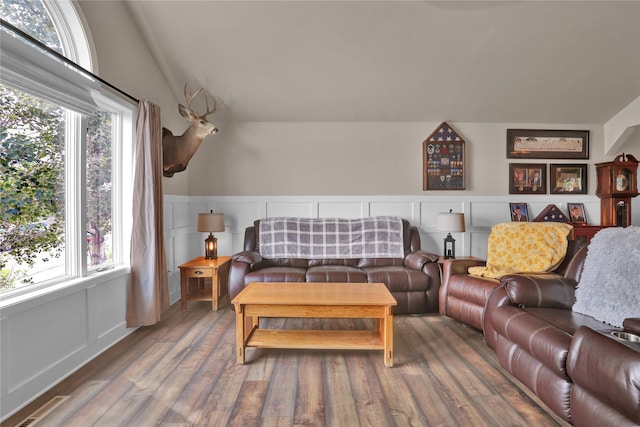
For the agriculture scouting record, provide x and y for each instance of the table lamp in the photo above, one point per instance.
(210, 222)
(451, 223)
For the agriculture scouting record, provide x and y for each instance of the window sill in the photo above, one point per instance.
(44, 293)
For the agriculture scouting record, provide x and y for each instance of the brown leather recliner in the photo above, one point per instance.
(414, 281)
(463, 296)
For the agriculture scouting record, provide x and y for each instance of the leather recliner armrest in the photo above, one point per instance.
(540, 290)
(460, 266)
(450, 268)
(248, 257)
(416, 260)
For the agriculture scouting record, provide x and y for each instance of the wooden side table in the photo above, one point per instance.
(203, 290)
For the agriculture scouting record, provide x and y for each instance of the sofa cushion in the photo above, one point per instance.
(379, 262)
(516, 247)
(398, 278)
(351, 262)
(335, 273)
(284, 262)
(275, 274)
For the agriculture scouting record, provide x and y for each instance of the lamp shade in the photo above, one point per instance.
(451, 222)
(210, 222)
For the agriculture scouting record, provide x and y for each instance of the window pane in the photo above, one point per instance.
(99, 224)
(31, 17)
(32, 189)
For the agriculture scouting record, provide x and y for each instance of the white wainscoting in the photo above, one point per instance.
(481, 213)
(46, 337)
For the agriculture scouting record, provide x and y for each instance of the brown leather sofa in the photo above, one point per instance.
(571, 361)
(414, 280)
(463, 296)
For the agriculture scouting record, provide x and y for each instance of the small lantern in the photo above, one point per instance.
(210, 247)
(449, 247)
(452, 223)
(210, 222)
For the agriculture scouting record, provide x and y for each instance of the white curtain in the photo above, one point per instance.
(148, 295)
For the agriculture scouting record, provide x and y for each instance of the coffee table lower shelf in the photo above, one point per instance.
(316, 339)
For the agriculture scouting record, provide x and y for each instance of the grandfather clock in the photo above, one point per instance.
(617, 185)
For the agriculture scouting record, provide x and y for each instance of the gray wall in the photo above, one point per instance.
(360, 158)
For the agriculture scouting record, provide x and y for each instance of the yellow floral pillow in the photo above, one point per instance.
(524, 247)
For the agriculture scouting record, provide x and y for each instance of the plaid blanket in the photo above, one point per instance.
(326, 238)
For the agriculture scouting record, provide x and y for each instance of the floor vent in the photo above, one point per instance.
(42, 411)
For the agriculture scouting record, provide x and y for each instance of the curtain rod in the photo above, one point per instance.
(62, 58)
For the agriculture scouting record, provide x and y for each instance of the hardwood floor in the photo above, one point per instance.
(182, 372)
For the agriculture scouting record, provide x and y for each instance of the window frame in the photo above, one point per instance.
(36, 69)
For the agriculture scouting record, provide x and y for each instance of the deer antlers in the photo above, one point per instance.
(190, 97)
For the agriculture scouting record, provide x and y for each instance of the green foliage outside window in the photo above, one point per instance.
(32, 180)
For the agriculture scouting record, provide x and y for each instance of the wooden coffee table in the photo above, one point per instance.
(336, 300)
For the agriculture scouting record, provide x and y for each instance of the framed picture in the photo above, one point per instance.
(577, 214)
(444, 159)
(519, 212)
(527, 178)
(568, 179)
(547, 144)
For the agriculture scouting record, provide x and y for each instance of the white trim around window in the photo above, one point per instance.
(26, 68)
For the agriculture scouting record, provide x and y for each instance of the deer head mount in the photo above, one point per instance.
(178, 150)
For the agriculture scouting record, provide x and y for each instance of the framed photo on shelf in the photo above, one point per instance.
(568, 179)
(547, 144)
(577, 215)
(519, 212)
(527, 178)
(444, 160)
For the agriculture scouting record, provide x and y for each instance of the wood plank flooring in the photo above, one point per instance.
(182, 372)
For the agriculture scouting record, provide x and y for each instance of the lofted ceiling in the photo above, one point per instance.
(565, 62)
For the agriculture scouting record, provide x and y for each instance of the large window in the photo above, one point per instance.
(66, 141)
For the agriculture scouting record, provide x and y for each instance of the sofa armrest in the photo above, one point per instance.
(241, 264)
(416, 260)
(452, 267)
(248, 257)
(606, 380)
(540, 290)
(460, 266)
